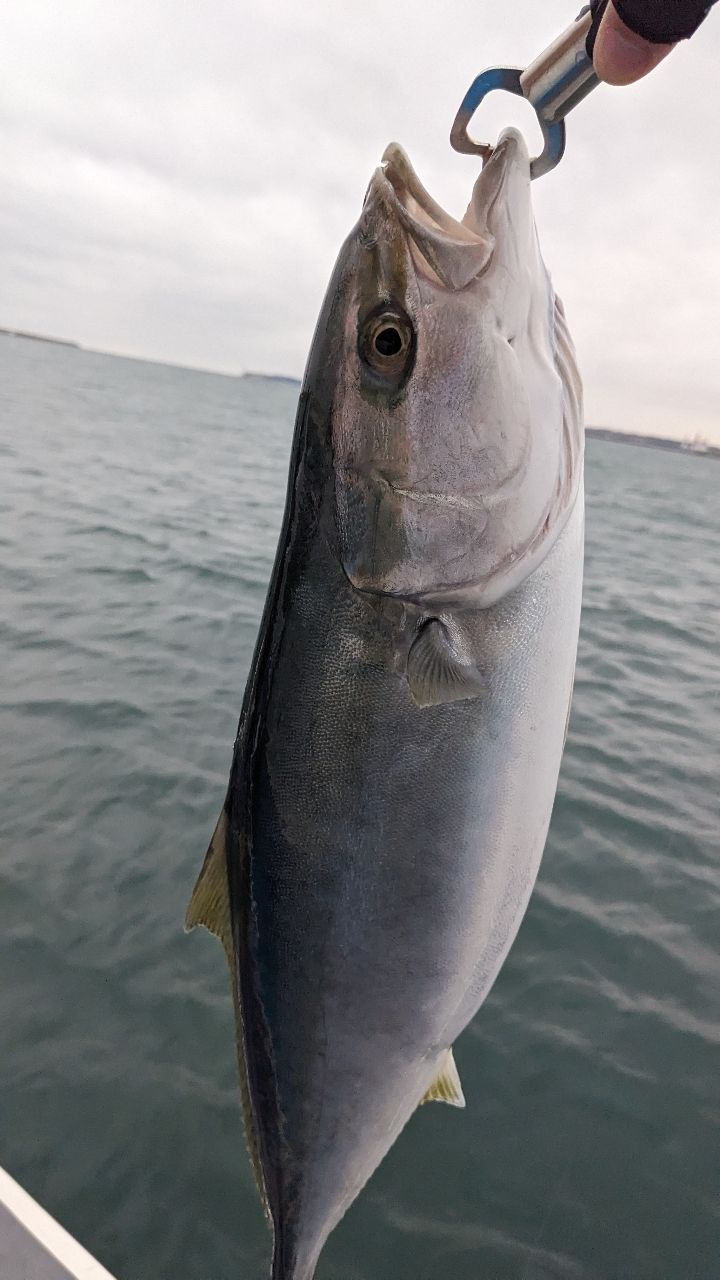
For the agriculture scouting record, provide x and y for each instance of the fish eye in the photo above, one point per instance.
(386, 343)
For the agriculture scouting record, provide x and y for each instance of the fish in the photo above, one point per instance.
(405, 715)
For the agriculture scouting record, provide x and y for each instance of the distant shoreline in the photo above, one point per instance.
(698, 448)
(40, 337)
(652, 442)
(270, 377)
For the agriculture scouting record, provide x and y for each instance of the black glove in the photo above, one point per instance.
(659, 21)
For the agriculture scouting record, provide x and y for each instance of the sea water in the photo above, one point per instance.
(139, 512)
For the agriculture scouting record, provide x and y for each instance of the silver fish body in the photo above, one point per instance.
(404, 719)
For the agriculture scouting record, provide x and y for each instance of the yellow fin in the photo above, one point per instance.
(446, 1086)
(210, 901)
(210, 906)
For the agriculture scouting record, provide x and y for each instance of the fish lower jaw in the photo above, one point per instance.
(453, 501)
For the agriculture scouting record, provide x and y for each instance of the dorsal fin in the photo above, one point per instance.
(446, 1086)
(209, 906)
(437, 671)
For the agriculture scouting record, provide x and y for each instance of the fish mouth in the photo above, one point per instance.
(416, 202)
(451, 252)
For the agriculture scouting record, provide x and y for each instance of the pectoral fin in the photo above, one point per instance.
(446, 1086)
(437, 669)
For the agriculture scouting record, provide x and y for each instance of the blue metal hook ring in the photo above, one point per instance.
(507, 78)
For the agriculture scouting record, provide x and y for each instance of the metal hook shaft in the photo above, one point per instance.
(554, 83)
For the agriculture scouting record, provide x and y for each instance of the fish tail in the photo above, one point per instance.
(289, 1264)
(281, 1272)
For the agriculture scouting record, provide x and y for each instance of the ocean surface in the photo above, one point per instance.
(139, 509)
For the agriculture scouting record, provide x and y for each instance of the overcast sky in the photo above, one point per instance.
(177, 178)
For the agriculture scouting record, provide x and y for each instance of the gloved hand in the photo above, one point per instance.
(635, 35)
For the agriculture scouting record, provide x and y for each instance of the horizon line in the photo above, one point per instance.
(685, 442)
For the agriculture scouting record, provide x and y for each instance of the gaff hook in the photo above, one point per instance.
(554, 83)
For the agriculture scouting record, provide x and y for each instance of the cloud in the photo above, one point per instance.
(178, 180)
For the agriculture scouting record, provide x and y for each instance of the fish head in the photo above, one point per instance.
(456, 422)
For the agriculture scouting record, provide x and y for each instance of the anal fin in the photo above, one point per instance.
(446, 1086)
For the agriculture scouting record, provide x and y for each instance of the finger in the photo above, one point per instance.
(620, 56)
